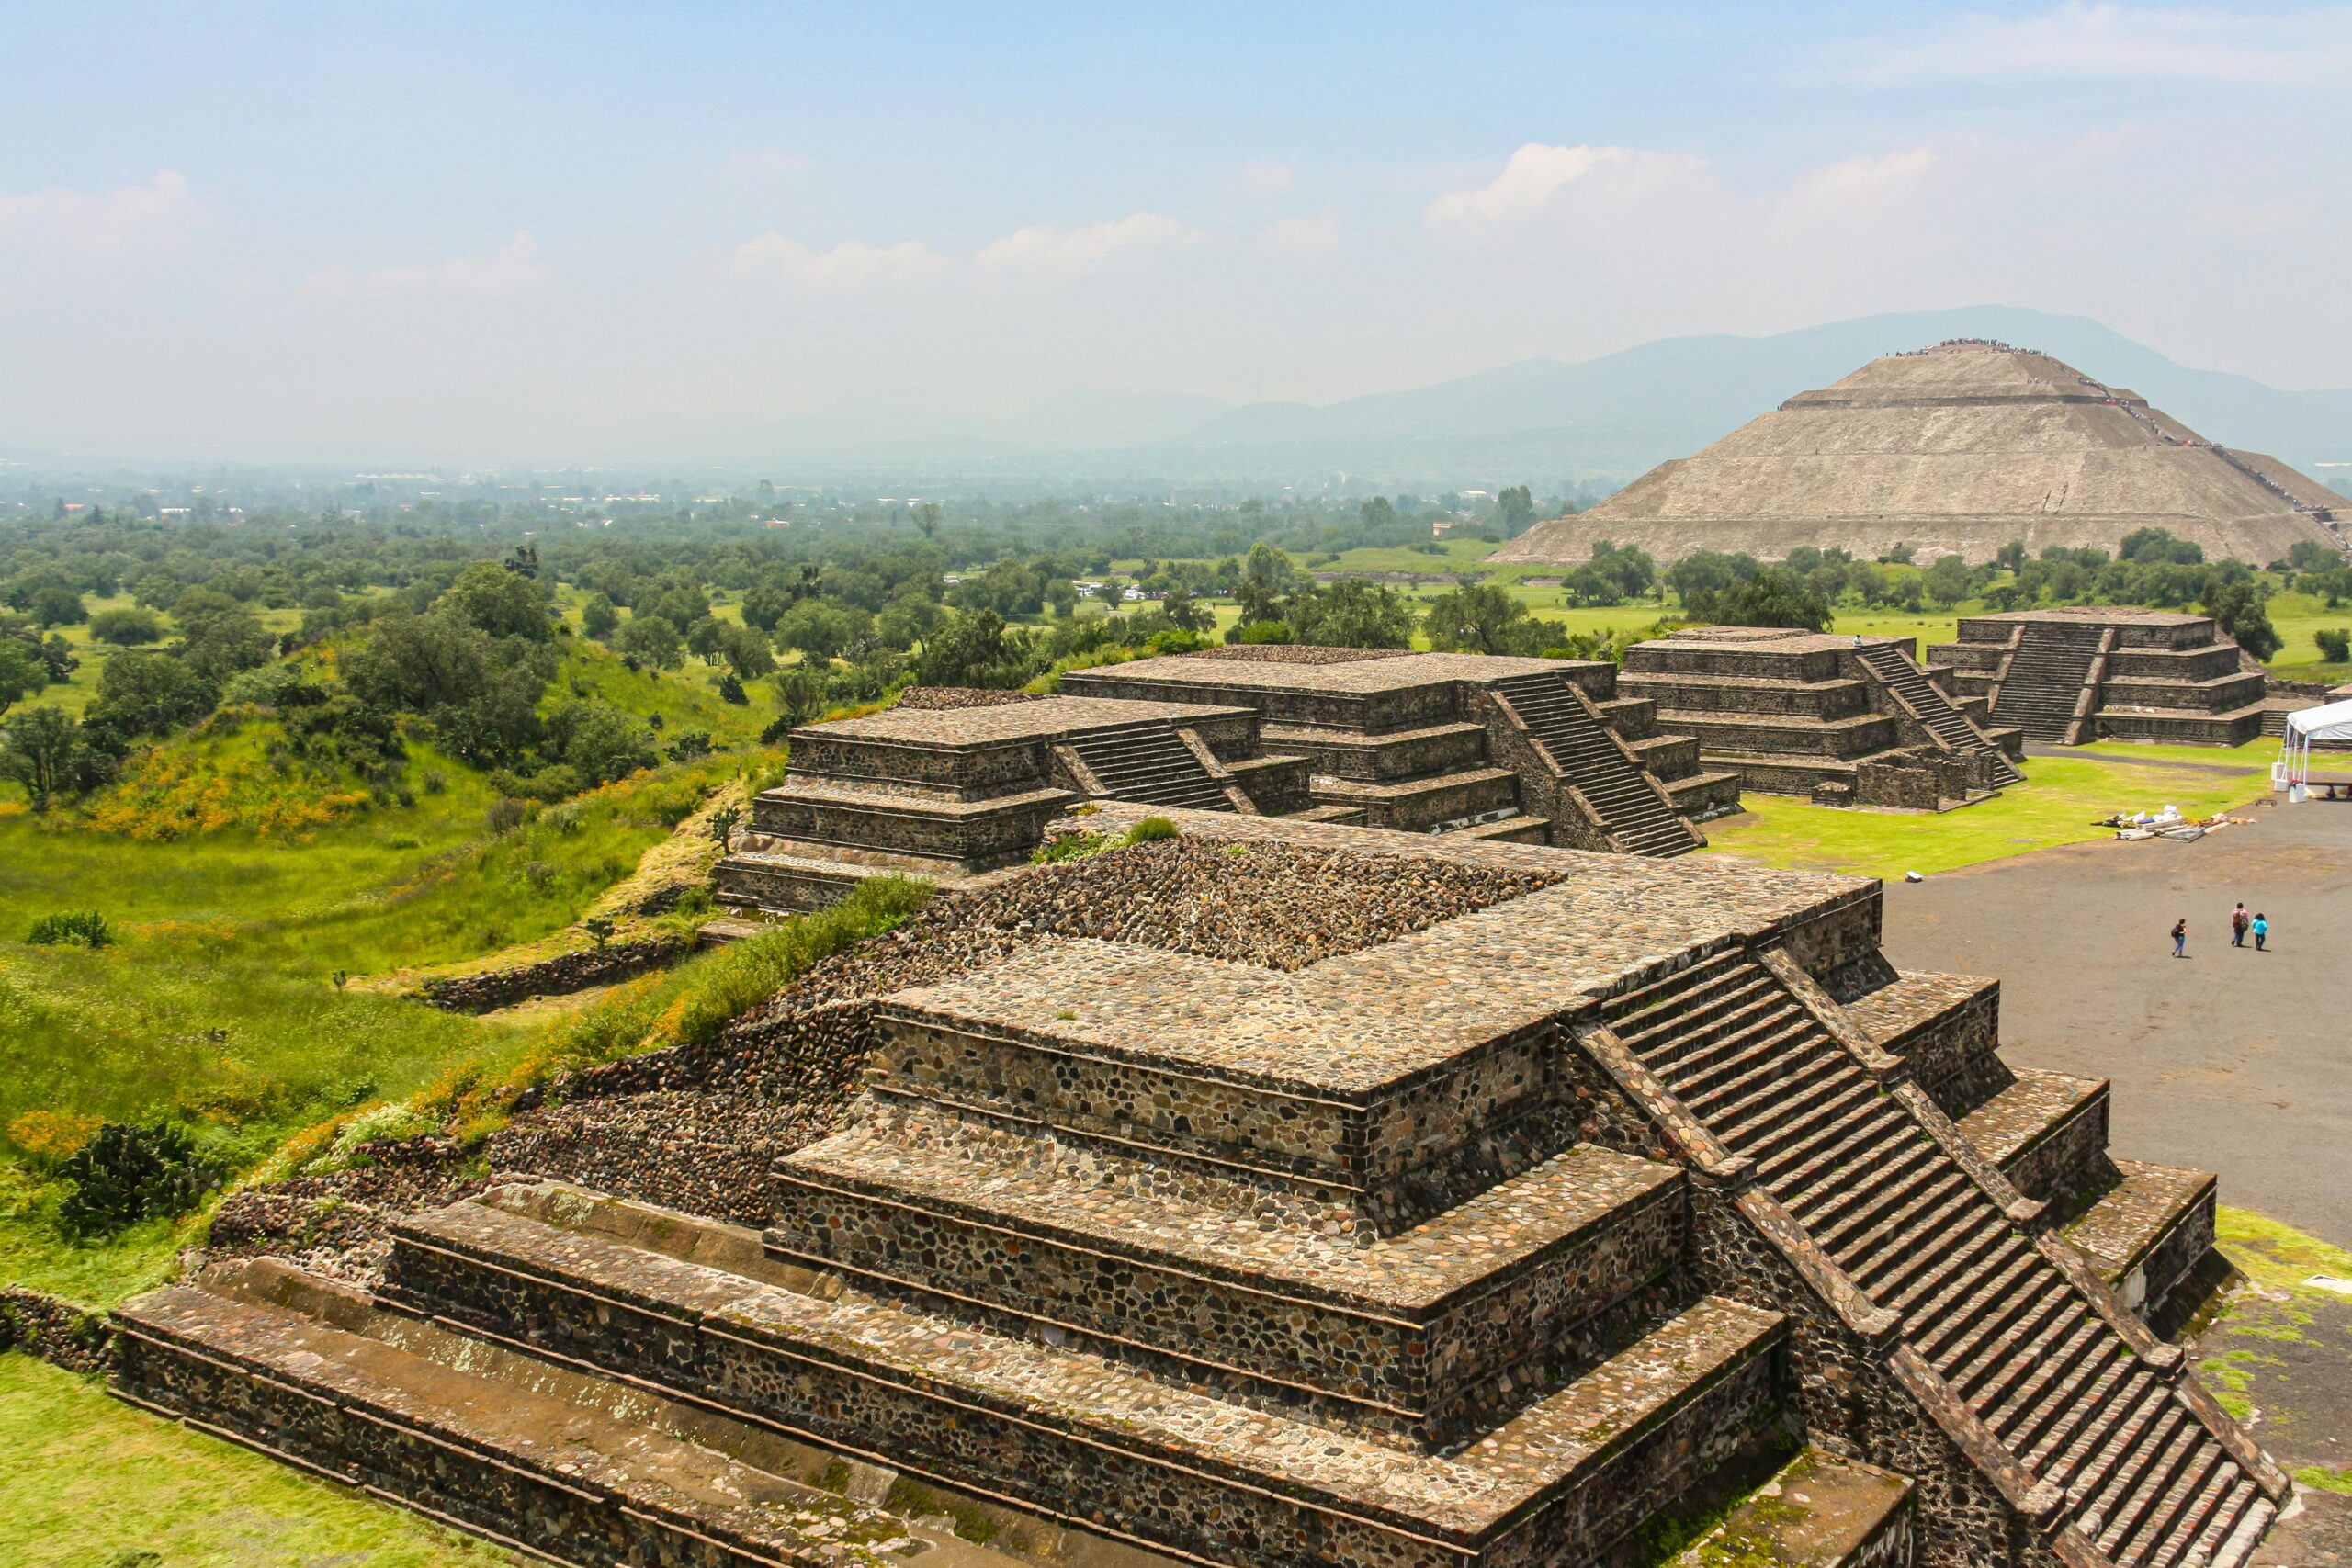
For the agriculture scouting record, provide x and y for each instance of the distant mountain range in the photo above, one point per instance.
(1544, 422)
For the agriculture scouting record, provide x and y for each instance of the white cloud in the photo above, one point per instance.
(765, 163)
(1538, 171)
(510, 269)
(774, 255)
(1052, 248)
(1863, 179)
(2123, 42)
(1302, 239)
(159, 213)
(1265, 176)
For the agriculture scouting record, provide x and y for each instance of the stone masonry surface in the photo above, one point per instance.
(1286, 1192)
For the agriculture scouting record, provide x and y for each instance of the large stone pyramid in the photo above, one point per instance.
(1961, 448)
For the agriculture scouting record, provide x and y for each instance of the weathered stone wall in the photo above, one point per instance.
(1135, 1485)
(955, 773)
(58, 1332)
(1431, 1372)
(557, 976)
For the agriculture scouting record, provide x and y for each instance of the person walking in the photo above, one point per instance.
(2238, 919)
(2261, 932)
(2180, 937)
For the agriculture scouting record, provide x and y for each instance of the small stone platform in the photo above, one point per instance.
(1842, 720)
(956, 792)
(1543, 750)
(2078, 674)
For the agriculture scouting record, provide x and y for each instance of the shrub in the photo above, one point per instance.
(1151, 830)
(2334, 644)
(126, 1174)
(506, 815)
(84, 926)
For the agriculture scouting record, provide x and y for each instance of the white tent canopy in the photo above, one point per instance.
(2332, 721)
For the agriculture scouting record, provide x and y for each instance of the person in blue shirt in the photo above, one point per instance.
(2261, 932)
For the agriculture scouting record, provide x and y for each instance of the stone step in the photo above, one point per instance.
(1226, 1070)
(2046, 1130)
(1780, 1053)
(1421, 805)
(1044, 1426)
(547, 1459)
(1225, 1285)
(2148, 1231)
(1512, 830)
(1819, 1510)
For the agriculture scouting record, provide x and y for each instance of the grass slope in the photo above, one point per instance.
(2058, 804)
(217, 1005)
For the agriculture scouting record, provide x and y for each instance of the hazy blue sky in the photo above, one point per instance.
(533, 231)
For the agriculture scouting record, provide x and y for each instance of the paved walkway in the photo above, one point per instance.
(2229, 1060)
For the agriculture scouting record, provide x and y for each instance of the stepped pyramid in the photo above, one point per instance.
(1288, 1194)
(1958, 448)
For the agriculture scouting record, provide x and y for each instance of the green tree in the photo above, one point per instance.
(748, 654)
(976, 649)
(1480, 617)
(822, 630)
(490, 598)
(21, 671)
(651, 640)
(1775, 596)
(47, 751)
(1515, 512)
(1185, 615)
(2237, 608)
(217, 641)
(151, 694)
(597, 616)
(1350, 613)
(126, 628)
(1704, 572)
(57, 607)
(599, 740)
(927, 519)
(1946, 581)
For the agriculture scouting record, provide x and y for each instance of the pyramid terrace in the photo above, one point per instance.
(1512, 1195)
(1531, 751)
(1845, 720)
(2080, 674)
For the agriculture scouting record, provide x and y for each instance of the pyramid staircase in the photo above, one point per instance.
(1633, 811)
(1151, 765)
(2043, 683)
(1933, 709)
(2070, 1387)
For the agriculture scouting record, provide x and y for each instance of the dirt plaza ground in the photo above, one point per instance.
(2230, 1060)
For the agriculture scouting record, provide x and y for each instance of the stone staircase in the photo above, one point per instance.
(2045, 678)
(1149, 763)
(1633, 811)
(2072, 1395)
(1907, 680)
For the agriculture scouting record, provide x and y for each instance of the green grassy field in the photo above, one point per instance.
(2058, 804)
(90, 1483)
(217, 1003)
